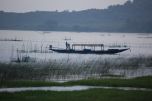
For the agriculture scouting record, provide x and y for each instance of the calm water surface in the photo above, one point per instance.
(139, 43)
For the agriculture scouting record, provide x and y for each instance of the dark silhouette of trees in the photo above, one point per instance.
(133, 16)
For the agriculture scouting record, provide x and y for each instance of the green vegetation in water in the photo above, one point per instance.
(30, 75)
(143, 82)
(88, 95)
(95, 68)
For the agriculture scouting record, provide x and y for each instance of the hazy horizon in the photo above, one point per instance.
(53, 5)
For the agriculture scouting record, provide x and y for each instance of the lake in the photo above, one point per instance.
(36, 44)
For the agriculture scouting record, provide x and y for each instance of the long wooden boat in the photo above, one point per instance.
(88, 51)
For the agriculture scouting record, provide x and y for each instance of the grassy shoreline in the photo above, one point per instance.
(140, 82)
(96, 94)
(22, 76)
(88, 95)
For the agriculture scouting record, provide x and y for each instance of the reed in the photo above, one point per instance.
(63, 70)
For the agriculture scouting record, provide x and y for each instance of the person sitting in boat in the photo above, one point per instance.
(67, 45)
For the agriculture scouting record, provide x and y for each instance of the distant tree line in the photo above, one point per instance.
(133, 16)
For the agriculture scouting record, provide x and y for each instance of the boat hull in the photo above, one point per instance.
(109, 51)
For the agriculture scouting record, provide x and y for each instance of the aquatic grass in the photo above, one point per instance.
(88, 95)
(97, 68)
(140, 82)
(24, 83)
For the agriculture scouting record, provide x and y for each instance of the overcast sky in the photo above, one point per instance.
(52, 5)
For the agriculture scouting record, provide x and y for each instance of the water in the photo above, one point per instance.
(36, 46)
(68, 88)
(133, 73)
(140, 44)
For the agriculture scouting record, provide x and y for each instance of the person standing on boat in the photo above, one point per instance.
(67, 45)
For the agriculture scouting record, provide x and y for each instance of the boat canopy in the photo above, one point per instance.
(88, 45)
